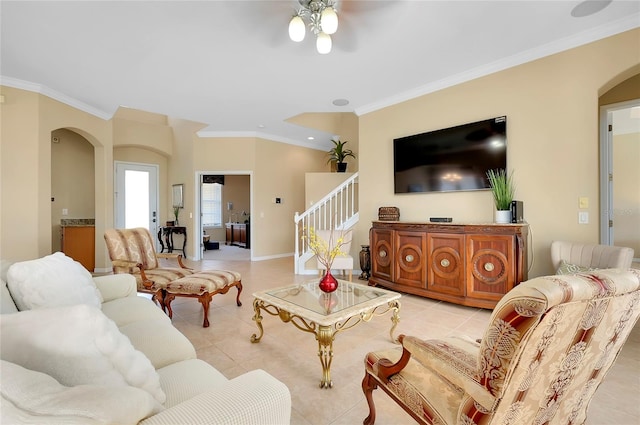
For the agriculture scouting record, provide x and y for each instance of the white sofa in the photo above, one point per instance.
(121, 361)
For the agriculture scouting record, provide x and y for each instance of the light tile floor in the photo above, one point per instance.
(291, 355)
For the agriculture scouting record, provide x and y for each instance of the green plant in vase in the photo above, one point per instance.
(176, 213)
(339, 153)
(503, 190)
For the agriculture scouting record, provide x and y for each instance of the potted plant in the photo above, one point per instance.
(338, 154)
(176, 213)
(503, 189)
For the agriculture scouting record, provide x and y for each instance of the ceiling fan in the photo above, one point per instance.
(351, 17)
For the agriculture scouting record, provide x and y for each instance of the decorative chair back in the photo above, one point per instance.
(549, 344)
(590, 256)
(134, 245)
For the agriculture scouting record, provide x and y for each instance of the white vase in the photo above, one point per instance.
(503, 216)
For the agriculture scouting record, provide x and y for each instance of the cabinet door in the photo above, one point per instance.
(382, 254)
(78, 242)
(446, 263)
(410, 259)
(490, 266)
(229, 235)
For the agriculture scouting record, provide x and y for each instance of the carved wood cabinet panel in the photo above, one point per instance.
(468, 264)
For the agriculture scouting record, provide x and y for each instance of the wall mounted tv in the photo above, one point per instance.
(450, 159)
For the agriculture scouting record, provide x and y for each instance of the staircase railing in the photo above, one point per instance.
(337, 210)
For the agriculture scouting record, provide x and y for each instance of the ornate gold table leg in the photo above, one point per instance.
(395, 318)
(258, 319)
(325, 337)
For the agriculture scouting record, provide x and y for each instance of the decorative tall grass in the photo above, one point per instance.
(502, 188)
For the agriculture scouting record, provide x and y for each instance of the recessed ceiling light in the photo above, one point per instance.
(341, 102)
(260, 125)
(589, 7)
(311, 138)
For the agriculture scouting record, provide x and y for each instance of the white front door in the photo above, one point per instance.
(136, 196)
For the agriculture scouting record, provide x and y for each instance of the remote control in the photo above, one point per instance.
(441, 219)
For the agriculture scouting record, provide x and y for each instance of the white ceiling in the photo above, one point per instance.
(231, 65)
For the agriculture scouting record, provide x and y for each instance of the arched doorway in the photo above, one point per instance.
(73, 196)
(619, 156)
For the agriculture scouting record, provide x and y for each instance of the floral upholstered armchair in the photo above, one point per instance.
(132, 251)
(549, 343)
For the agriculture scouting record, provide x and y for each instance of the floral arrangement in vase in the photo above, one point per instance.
(326, 252)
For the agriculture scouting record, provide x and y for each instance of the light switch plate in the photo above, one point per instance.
(583, 217)
(583, 202)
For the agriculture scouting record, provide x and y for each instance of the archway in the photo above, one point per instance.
(619, 155)
(73, 205)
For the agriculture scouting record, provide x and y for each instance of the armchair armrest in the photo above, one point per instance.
(454, 358)
(116, 286)
(253, 398)
(125, 266)
(172, 256)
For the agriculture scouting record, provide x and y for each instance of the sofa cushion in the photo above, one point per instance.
(567, 268)
(76, 345)
(184, 380)
(159, 341)
(52, 281)
(114, 286)
(6, 301)
(33, 393)
(133, 309)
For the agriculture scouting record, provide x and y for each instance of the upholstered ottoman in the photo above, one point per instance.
(203, 285)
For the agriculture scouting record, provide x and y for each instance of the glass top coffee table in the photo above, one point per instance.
(311, 310)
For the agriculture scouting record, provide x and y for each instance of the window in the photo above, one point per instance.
(212, 204)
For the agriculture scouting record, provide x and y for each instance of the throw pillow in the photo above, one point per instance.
(42, 397)
(76, 345)
(52, 281)
(567, 268)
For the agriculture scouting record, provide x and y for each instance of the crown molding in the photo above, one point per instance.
(46, 91)
(585, 37)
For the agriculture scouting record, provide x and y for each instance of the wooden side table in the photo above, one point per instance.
(167, 233)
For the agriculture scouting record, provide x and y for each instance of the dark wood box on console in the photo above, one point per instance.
(467, 264)
(388, 214)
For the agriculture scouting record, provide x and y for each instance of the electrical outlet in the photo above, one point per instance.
(583, 217)
(65, 211)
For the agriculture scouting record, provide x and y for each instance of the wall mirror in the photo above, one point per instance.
(178, 200)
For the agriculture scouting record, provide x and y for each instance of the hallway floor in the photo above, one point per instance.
(291, 355)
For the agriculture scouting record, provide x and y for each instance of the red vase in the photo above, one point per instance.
(328, 283)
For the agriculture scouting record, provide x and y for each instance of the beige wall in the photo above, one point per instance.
(277, 170)
(342, 124)
(28, 121)
(19, 177)
(552, 122)
(72, 181)
(317, 185)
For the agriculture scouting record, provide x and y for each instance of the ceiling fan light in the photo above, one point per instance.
(296, 29)
(329, 20)
(323, 43)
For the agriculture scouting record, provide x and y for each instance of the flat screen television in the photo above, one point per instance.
(450, 159)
